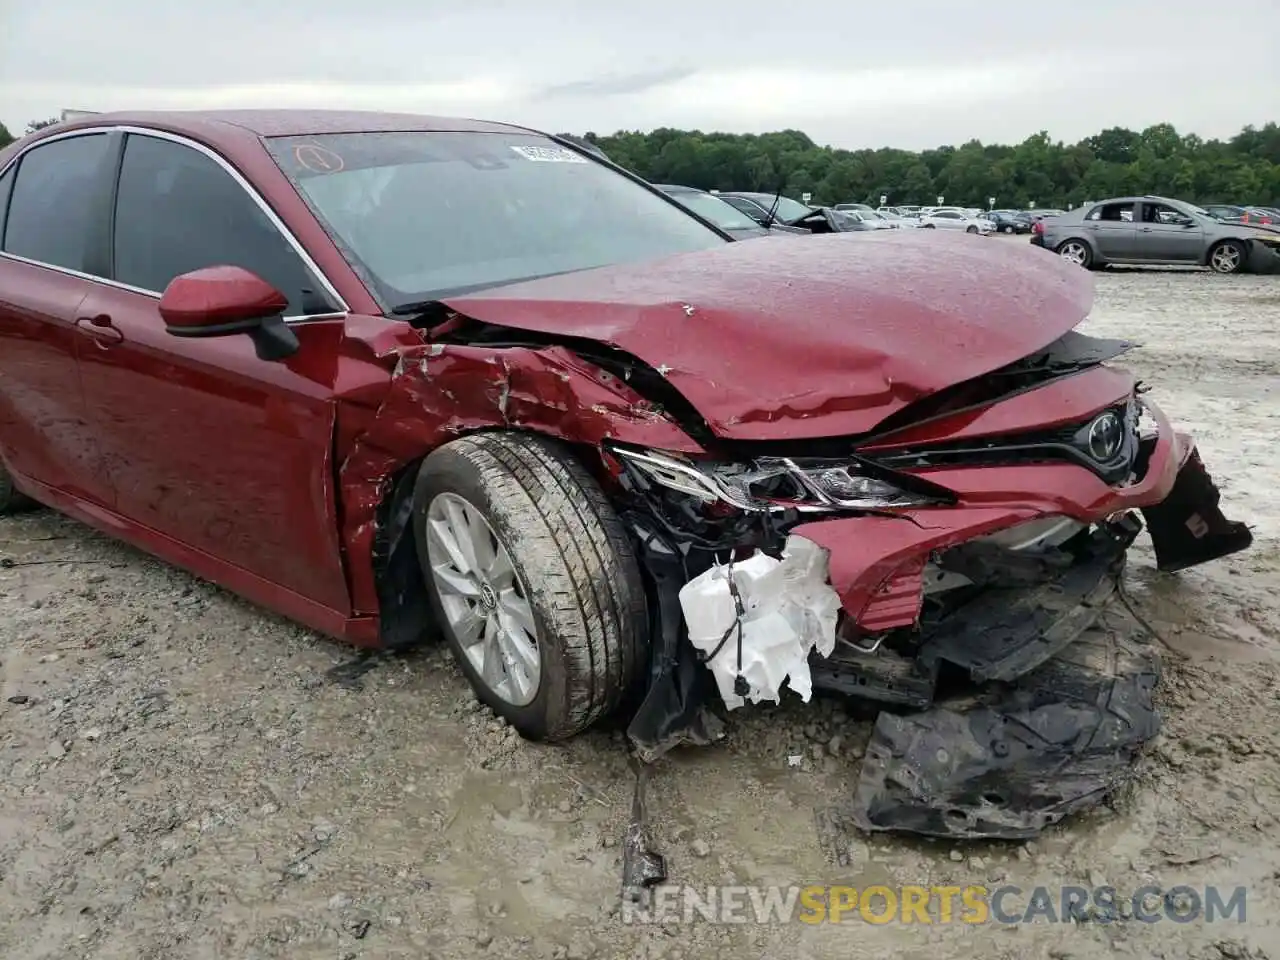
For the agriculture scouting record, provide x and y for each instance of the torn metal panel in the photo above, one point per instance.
(816, 339)
(1060, 740)
(867, 553)
(439, 392)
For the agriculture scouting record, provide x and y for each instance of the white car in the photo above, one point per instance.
(873, 220)
(896, 219)
(955, 220)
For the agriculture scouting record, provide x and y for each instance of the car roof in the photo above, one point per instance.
(220, 127)
(677, 188)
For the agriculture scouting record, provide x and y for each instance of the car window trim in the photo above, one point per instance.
(128, 129)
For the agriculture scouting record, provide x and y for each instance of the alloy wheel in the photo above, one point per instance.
(483, 600)
(1226, 259)
(1074, 252)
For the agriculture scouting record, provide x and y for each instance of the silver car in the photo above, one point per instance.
(1156, 230)
(941, 219)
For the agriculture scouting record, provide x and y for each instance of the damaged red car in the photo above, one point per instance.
(399, 377)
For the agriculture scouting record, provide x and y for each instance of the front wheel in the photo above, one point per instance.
(1228, 257)
(1006, 229)
(533, 580)
(1077, 252)
(928, 226)
(971, 230)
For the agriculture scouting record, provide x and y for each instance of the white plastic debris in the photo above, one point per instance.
(788, 610)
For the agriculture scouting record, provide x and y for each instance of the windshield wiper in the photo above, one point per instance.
(771, 217)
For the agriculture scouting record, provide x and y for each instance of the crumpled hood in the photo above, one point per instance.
(818, 336)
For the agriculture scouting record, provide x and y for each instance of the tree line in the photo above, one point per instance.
(1038, 171)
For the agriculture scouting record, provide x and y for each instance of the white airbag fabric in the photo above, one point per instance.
(789, 609)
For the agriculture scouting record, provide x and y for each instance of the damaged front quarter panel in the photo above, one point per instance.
(440, 391)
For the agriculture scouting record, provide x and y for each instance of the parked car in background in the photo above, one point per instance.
(868, 219)
(1156, 230)
(898, 219)
(724, 215)
(955, 220)
(861, 207)
(1229, 213)
(1009, 221)
(759, 205)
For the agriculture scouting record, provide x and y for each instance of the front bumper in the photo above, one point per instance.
(875, 561)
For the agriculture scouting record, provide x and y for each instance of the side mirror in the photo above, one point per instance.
(224, 301)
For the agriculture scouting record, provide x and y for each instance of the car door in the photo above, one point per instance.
(226, 454)
(53, 203)
(1168, 235)
(1111, 227)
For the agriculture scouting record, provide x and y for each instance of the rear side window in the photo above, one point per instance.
(177, 210)
(52, 206)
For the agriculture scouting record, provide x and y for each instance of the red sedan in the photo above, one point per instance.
(394, 376)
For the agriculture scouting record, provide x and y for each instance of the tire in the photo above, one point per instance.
(1229, 256)
(970, 229)
(575, 572)
(1007, 230)
(928, 226)
(11, 501)
(1076, 251)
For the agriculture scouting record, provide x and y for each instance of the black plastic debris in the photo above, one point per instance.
(641, 867)
(1188, 527)
(1017, 759)
(674, 709)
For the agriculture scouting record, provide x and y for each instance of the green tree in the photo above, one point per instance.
(35, 125)
(1114, 162)
(6, 137)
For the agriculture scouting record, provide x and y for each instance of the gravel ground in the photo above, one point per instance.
(184, 775)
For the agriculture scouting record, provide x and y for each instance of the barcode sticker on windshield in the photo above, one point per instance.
(550, 154)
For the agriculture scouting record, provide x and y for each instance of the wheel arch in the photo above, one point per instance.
(444, 392)
(1245, 243)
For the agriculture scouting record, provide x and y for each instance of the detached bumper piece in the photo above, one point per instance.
(1187, 527)
(1013, 762)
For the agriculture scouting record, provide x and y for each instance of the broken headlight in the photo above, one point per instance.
(781, 483)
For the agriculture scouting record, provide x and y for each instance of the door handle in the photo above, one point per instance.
(1146, 229)
(102, 329)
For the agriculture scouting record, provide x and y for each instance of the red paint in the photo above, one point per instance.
(439, 393)
(217, 295)
(897, 602)
(821, 338)
(867, 552)
(1069, 400)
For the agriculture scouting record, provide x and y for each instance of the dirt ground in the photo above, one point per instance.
(183, 775)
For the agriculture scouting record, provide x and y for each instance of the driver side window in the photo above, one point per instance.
(178, 210)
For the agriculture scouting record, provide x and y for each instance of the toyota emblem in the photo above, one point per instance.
(1106, 436)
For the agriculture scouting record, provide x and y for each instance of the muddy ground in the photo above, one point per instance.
(185, 775)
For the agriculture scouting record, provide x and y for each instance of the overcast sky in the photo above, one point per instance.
(854, 73)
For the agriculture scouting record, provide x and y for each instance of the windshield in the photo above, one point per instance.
(788, 209)
(723, 215)
(425, 215)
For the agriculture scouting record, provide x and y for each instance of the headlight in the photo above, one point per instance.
(778, 483)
